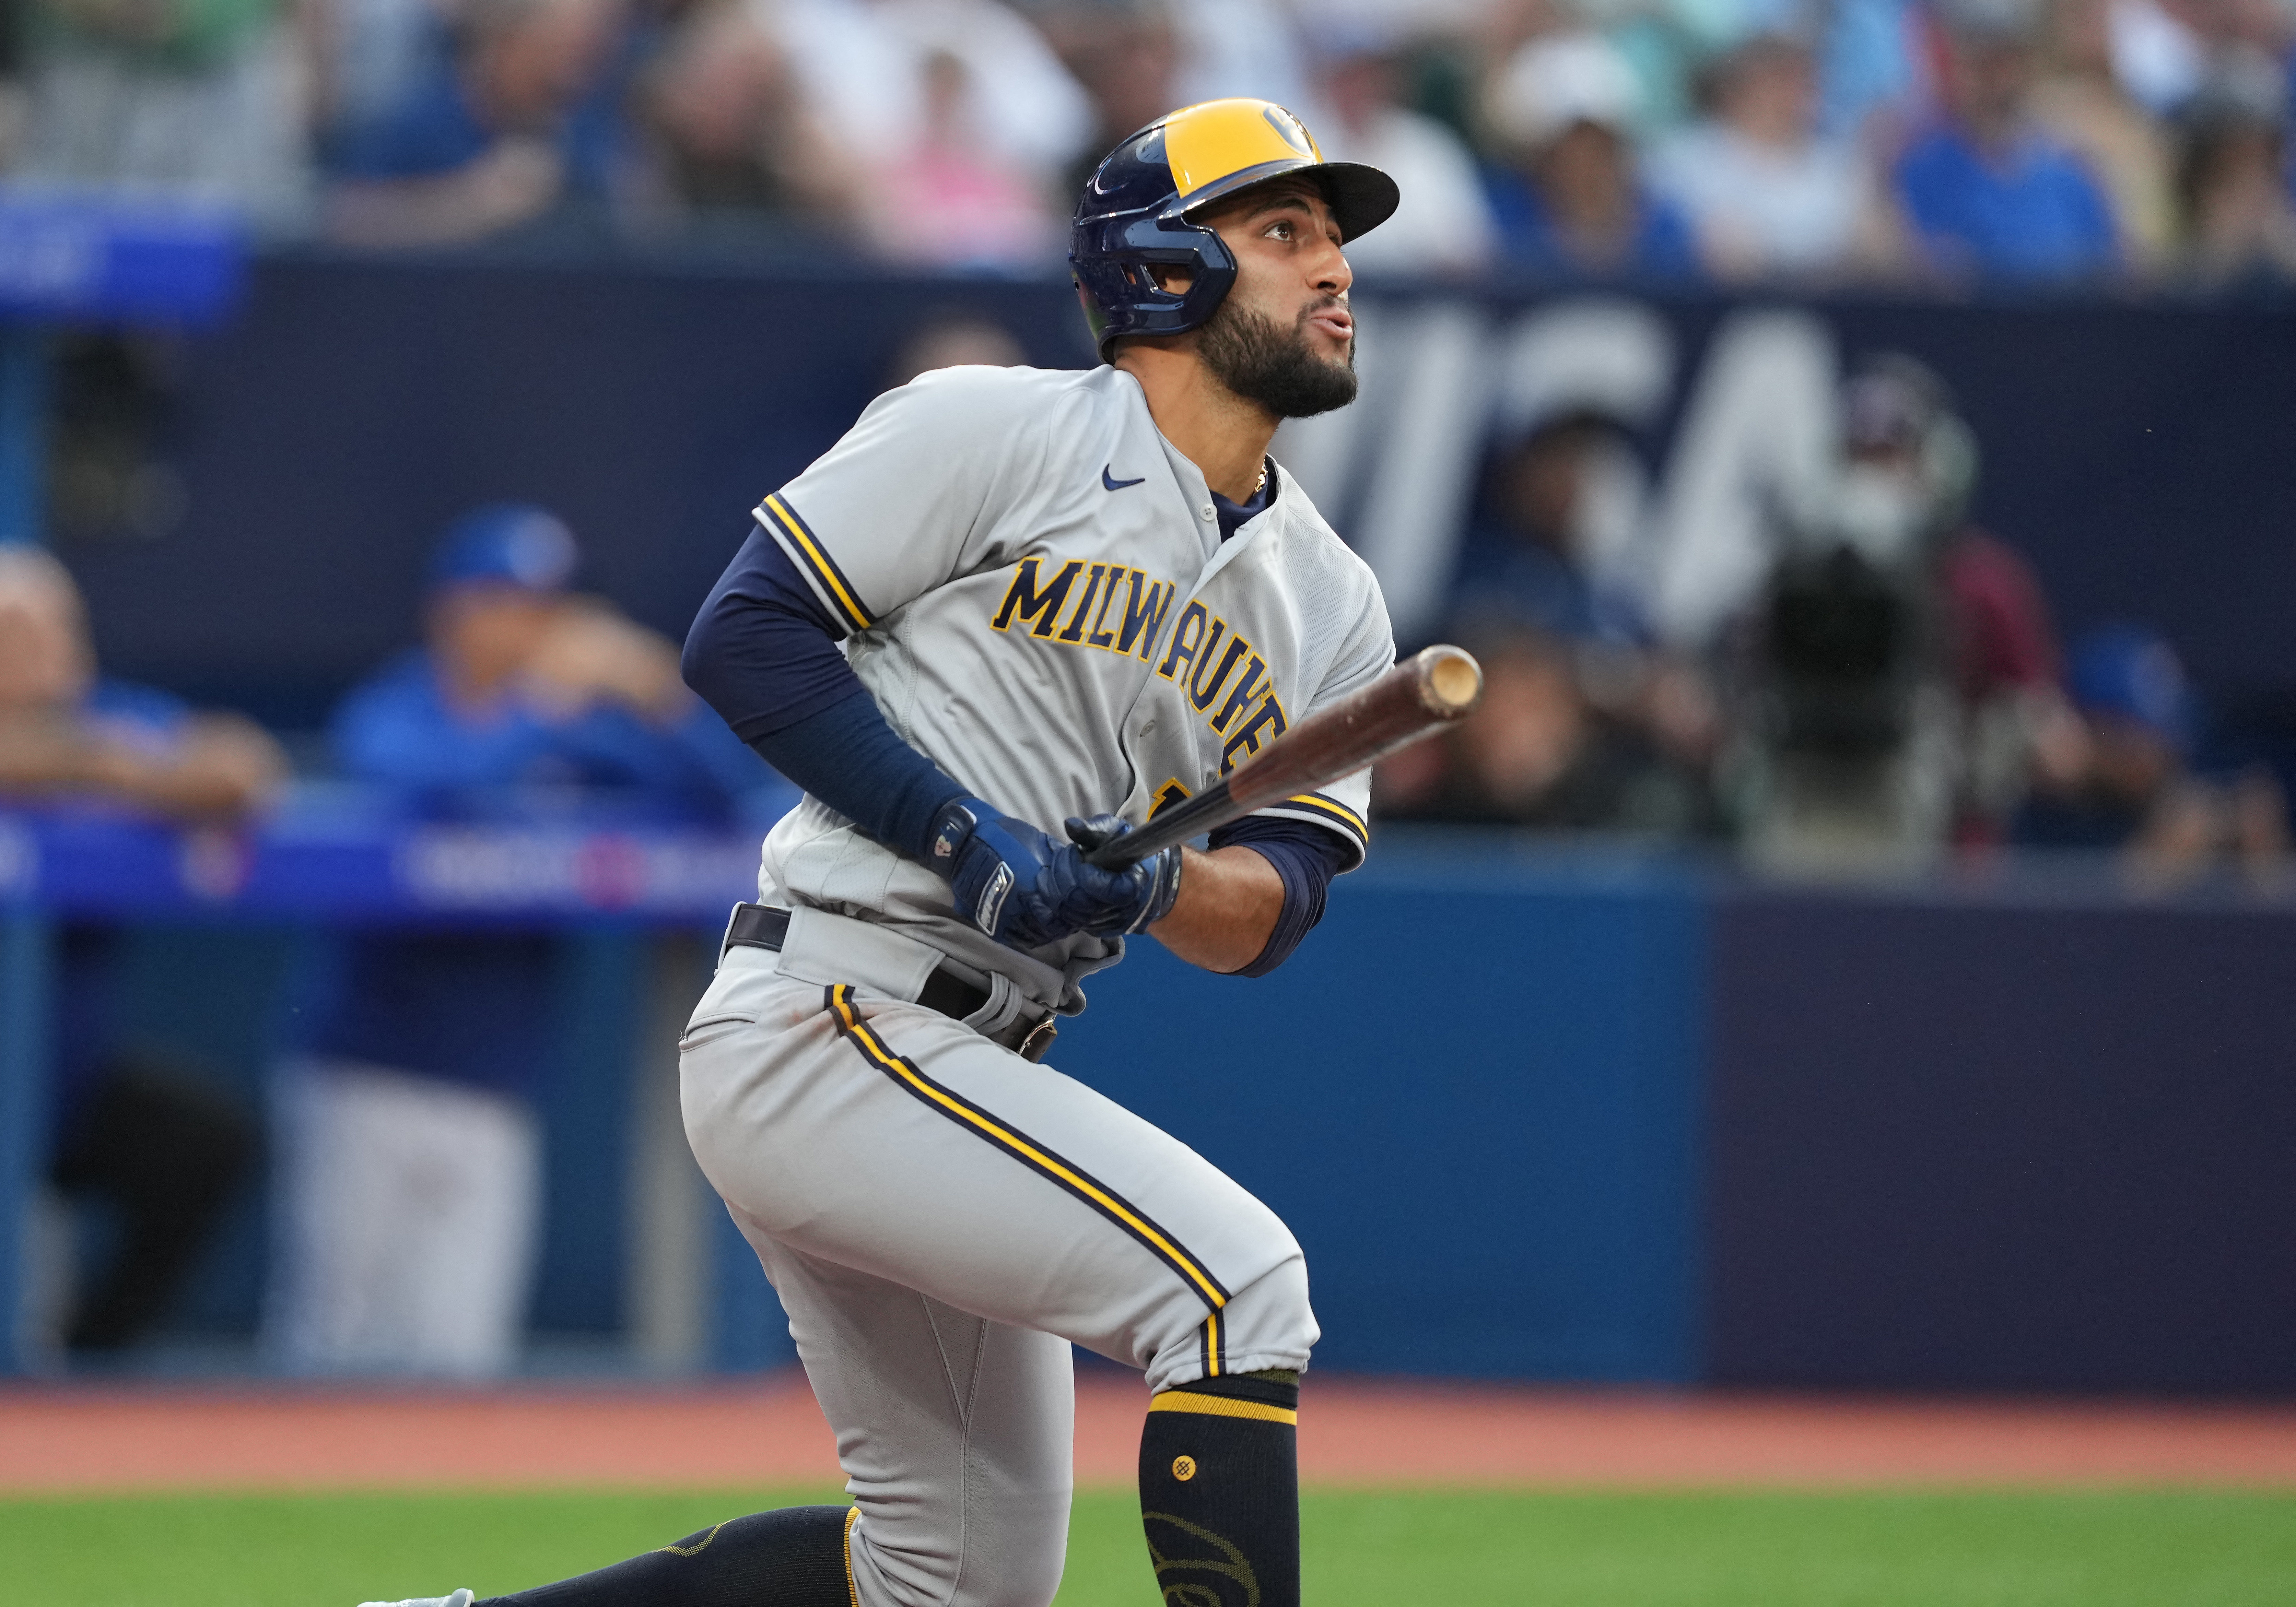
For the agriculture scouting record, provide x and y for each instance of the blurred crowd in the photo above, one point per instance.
(407, 1164)
(1929, 142)
(1886, 691)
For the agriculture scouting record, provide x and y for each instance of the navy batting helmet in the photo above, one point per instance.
(1135, 209)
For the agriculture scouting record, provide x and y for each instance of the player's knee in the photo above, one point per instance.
(1270, 1321)
(1012, 1575)
(1265, 1324)
(1001, 1554)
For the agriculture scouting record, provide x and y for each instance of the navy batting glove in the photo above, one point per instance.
(993, 861)
(1025, 889)
(1107, 902)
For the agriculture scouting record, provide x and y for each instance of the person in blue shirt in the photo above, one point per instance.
(1569, 203)
(139, 1128)
(413, 1161)
(521, 118)
(1989, 194)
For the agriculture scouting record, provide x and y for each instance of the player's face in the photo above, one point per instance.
(1284, 335)
(484, 632)
(44, 662)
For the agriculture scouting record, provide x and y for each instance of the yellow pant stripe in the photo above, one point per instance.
(1207, 1287)
(1220, 1406)
(852, 1516)
(819, 563)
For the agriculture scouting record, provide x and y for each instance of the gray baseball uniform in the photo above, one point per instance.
(1039, 600)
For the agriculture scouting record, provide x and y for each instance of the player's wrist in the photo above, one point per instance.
(952, 827)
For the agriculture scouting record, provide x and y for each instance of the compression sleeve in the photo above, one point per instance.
(763, 650)
(1307, 857)
(763, 654)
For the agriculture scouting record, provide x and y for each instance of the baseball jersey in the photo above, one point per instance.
(1034, 590)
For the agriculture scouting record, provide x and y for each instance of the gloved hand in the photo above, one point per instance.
(1023, 888)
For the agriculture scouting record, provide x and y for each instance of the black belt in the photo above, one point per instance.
(762, 926)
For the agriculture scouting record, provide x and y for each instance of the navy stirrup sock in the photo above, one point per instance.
(1219, 1491)
(791, 1558)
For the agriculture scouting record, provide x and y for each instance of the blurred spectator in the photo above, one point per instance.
(1242, 47)
(1527, 558)
(1444, 223)
(1566, 197)
(411, 1154)
(2169, 51)
(1903, 688)
(2156, 53)
(69, 735)
(1872, 68)
(2239, 222)
(2137, 793)
(1771, 196)
(906, 88)
(949, 202)
(1126, 55)
(523, 118)
(1540, 565)
(1911, 470)
(2080, 101)
(1539, 753)
(732, 133)
(141, 1132)
(1988, 193)
(1667, 44)
(204, 102)
(368, 56)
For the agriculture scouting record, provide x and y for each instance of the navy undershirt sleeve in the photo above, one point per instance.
(1307, 857)
(763, 654)
(763, 650)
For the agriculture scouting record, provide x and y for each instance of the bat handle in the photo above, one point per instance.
(1212, 807)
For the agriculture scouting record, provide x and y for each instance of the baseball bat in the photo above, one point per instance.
(1415, 698)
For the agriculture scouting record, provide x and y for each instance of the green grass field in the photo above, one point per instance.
(1467, 1548)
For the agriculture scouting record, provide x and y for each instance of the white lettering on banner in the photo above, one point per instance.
(475, 869)
(1756, 448)
(19, 860)
(1752, 449)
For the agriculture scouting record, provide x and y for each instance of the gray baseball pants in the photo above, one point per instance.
(942, 1219)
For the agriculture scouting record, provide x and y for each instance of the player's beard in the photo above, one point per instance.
(1250, 354)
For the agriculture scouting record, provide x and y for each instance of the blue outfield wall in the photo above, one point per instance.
(1575, 1118)
(1473, 1095)
(1990, 1143)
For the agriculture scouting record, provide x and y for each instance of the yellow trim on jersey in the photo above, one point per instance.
(1220, 1406)
(852, 1516)
(1218, 139)
(824, 569)
(1212, 1367)
(1316, 800)
(840, 998)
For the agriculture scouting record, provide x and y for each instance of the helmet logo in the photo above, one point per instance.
(1288, 128)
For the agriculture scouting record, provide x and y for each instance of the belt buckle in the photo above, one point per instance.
(1038, 1044)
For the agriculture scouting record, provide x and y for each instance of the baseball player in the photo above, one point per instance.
(1010, 597)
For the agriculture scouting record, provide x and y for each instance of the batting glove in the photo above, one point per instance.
(1129, 900)
(1024, 890)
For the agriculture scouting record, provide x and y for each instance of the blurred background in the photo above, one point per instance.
(1854, 947)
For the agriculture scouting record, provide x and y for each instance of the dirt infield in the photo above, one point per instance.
(56, 1439)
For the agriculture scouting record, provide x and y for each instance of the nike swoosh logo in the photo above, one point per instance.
(1116, 484)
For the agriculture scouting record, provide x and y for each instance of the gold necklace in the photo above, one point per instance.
(1262, 486)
